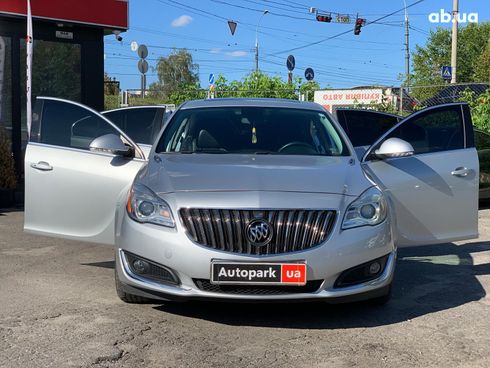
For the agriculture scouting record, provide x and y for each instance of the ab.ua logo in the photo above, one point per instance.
(445, 17)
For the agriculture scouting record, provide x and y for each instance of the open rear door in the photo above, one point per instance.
(434, 193)
(70, 191)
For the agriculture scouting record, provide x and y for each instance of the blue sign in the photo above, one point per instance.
(211, 78)
(309, 74)
(446, 72)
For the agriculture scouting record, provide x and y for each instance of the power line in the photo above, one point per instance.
(345, 32)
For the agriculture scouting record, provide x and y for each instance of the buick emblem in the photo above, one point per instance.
(259, 232)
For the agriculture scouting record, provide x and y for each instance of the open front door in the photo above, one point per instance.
(70, 191)
(434, 193)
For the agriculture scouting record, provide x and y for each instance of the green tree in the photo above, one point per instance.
(56, 70)
(482, 69)
(258, 84)
(176, 71)
(308, 88)
(480, 108)
(473, 55)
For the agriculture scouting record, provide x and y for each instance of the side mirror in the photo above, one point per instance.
(394, 147)
(111, 143)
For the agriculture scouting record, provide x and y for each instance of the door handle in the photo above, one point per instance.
(461, 172)
(42, 165)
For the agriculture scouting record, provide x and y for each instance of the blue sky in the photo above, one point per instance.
(376, 56)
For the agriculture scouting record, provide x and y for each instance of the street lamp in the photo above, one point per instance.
(257, 41)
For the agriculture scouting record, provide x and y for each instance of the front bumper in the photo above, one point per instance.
(172, 248)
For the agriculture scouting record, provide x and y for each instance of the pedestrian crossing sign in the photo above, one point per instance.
(446, 72)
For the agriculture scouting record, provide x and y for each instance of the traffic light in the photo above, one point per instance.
(324, 18)
(359, 23)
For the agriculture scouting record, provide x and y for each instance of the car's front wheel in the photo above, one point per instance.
(126, 297)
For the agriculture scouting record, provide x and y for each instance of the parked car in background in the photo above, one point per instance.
(252, 199)
(482, 142)
(141, 123)
(364, 127)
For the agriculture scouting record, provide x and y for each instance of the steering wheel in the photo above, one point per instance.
(303, 147)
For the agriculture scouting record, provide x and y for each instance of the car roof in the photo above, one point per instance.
(135, 107)
(252, 102)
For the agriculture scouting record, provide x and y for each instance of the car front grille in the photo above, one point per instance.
(225, 229)
(310, 287)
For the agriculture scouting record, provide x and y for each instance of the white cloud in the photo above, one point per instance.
(215, 50)
(182, 21)
(237, 53)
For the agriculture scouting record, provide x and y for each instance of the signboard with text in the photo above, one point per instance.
(348, 97)
(105, 13)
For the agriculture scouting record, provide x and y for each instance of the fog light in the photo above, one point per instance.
(374, 268)
(148, 270)
(368, 211)
(362, 273)
(141, 266)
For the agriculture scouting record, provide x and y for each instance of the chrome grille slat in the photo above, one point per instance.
(306, 232)
(208, 228)
(230, 244)
(201, 234)
(316, 227)
(298, 227)
(225, 229)
(219, 229)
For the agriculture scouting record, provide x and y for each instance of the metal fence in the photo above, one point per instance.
(404, 99)
(425, 96)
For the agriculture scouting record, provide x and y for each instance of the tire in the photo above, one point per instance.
(126, 297)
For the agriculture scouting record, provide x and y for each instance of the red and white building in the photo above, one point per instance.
(68, 56)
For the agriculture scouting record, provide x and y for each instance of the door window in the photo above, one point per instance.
(70, 125)
(141, 124)
(434, 130)
(364, 127)
(56, 72)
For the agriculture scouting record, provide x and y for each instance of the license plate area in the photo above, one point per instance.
(244, 273)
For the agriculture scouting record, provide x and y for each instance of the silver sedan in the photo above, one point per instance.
(252, 199)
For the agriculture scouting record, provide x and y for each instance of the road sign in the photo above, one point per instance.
(290, 63)
(211, 78)
(447, 72)
(134, 46)
(232, 25)
(309, 74)
(143, 66)
(142, 51)
(343, 18)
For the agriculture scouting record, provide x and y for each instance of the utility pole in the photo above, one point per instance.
(407, 50)
(407, 57)
(257, 41)
(454, 43)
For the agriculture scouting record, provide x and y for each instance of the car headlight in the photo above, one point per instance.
(369, 209)
(145, 206)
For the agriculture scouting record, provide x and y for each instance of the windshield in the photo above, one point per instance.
(252, 130)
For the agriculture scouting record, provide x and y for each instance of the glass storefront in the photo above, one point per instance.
(6, 88)
(68, 62)
(56, 72)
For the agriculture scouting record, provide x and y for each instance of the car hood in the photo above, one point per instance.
(168, 173)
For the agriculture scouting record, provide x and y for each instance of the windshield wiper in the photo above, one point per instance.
(211, 150)
(264, 153)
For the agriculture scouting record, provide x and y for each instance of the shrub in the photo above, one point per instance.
(8, 178)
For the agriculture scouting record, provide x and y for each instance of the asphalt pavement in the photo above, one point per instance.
(58, 308)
